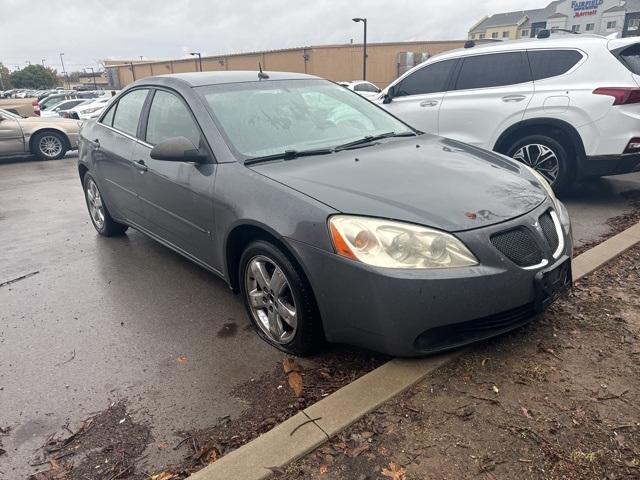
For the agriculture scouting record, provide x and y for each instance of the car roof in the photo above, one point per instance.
(198, 79)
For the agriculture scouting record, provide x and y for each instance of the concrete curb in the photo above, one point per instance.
(312, 427)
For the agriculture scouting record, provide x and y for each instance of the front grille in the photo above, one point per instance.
(447, 336)
(549, 230)
(519, 246)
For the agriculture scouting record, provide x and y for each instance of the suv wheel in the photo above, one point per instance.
(49, 145)
(100, 216)
(547, 156)
(279, 300)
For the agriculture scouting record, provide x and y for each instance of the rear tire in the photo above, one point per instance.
(548, 157)
(49, 145)
(266, 294)
(98, 212)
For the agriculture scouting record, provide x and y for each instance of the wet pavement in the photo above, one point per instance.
(98, 320)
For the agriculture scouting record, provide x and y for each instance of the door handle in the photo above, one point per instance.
(94, 143)
(513, 98)
(140, 165)
(429, 103)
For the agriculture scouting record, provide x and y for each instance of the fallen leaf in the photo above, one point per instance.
(290, 365)
(323, 469)
(182, 359)
(495, 389)
(354, 452)
(525, 412)
(163, 476)
(162, 445)
(276, 470)
(295, 382)
(394, 472)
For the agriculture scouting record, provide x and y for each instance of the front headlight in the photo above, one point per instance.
(390, 244)
(91, 110)
(544, 183)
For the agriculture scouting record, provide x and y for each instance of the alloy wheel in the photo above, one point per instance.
(50, 146)
(541, 158)
(94, 201)
(270, 299)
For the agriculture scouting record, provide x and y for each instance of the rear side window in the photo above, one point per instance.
(365, 87)
(494, 70)
(108, 118)
(169, 117)
(429, 79)
(630, 57)
(551, 63)
(127, 114)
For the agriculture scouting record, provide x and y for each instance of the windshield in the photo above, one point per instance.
(8, 114)
(268, 118)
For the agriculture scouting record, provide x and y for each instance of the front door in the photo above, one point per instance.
(418, 96)
(11, 139)
(176, 196)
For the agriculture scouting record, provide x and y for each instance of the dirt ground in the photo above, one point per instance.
(559, 399)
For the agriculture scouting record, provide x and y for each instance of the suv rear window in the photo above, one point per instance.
(493, 70)
(551, 63)
(630, 57)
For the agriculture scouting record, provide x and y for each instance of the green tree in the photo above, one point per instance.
(5, 81)
(34, 76)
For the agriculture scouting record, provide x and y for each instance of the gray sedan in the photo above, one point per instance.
(333, 219)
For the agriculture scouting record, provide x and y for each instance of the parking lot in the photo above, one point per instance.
(92, 320)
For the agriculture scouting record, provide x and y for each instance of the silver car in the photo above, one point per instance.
(333, 219)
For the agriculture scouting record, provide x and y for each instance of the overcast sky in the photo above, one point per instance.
(89, 30)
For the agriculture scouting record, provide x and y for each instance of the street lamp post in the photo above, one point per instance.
(93, 74)
(364, 60)
(199, 58)
(43, 60)
(64, 71)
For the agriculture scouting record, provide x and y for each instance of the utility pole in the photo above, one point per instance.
(364, 60)
(93, 74)
(199, 58)
(65, 72)
(43, 60)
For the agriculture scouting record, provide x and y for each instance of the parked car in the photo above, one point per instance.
(58, 108)
(48, 138)
(88, 109)
(359, 231)
(362, 87)
(55, 98)
(567, 105)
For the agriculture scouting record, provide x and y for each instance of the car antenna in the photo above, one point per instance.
(261, 74)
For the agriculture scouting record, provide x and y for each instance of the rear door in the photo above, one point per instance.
(116, 137)
(11, 138)
(491, 92)
(176, 196)
(418, 96)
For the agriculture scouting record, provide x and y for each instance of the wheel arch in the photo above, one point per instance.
(553, 127)
(65, 138)
(240, 236)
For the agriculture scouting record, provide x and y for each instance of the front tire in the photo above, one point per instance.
(98, 212)
(548, 157)
(279, 300)
(49, 145)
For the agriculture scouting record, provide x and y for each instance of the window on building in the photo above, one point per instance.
(170, 117)
(590, 26)
(473, 36)
(429, 79)
(494, 70)
(611, 25)
(481, 36)
(575, 28)
(524, 33)
(633, 24)
(505, 34)
(550, 63)
(128, 111)
(494, 35)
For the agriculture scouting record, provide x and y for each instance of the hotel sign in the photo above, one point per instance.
(585, 8)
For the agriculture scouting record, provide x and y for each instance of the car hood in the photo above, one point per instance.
(427, 180)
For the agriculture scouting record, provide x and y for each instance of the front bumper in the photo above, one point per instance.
(414, 312)
(603, 165)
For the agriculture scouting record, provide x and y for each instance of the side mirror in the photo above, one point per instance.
(178, 149)
(389, 95)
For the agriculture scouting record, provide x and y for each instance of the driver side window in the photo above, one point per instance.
(431, 78)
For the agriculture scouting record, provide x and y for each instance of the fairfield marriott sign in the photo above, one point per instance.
(585, 8)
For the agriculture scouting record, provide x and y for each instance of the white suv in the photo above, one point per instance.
(567, 105)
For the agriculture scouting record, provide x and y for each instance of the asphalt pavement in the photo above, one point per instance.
(97, 320)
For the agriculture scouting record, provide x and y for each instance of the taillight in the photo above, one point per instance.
(633, 146)
(35, 102)
(621, 95)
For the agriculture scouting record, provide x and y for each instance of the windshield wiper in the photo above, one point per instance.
(288, 155)
(373, 138)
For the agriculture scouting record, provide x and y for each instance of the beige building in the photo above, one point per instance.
(385, 61)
